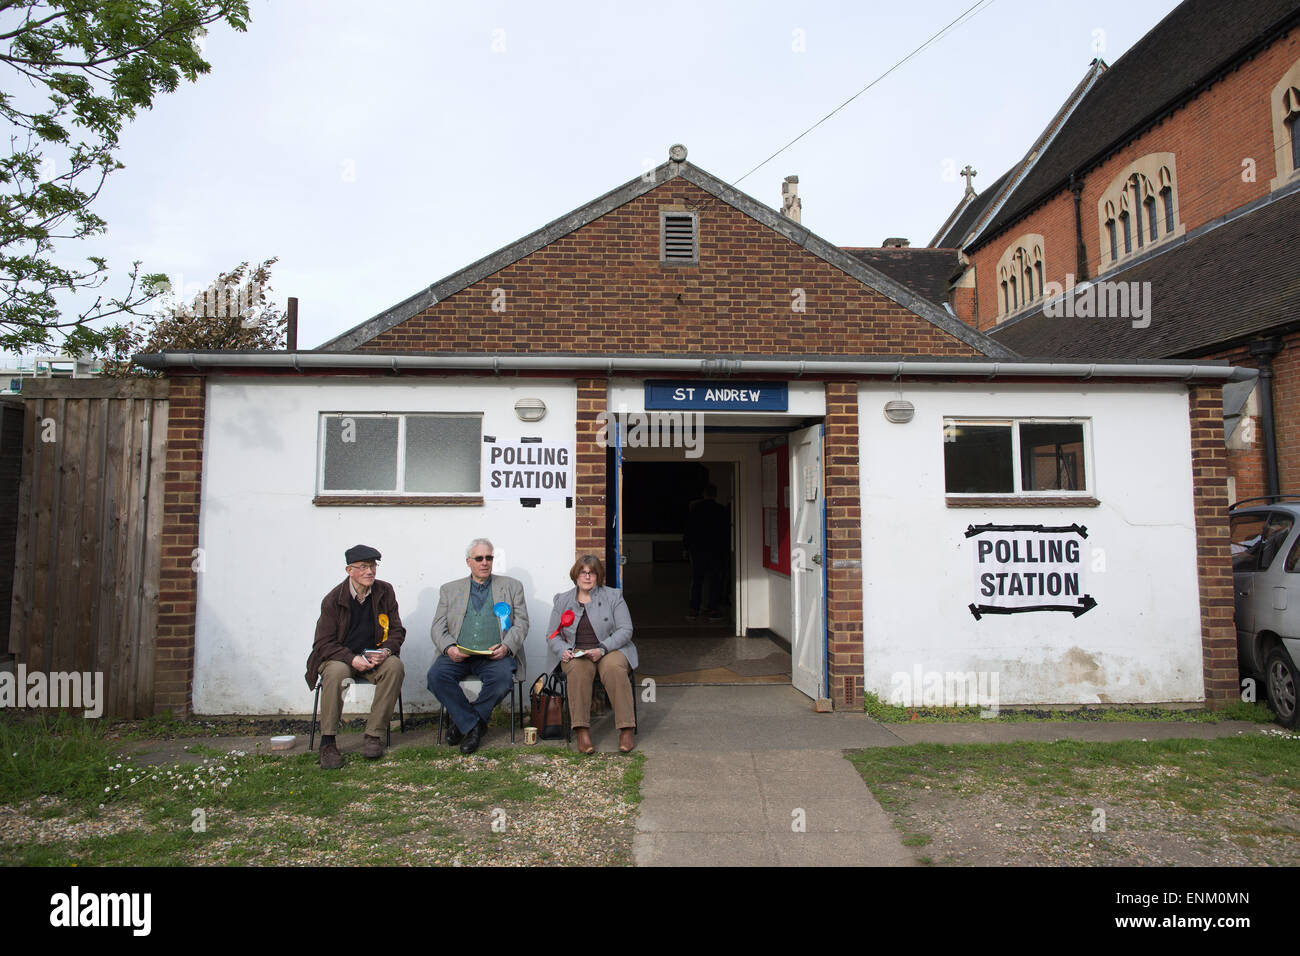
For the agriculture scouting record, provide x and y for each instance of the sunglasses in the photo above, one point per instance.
(487, 557)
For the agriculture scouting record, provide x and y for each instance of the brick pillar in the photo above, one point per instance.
(590, 501)
(178, 584)
(843, 545)
(1213, 557)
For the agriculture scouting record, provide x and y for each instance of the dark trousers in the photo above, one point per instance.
(707, 566)
(444, 683)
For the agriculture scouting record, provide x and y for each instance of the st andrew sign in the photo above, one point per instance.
(1021, 568)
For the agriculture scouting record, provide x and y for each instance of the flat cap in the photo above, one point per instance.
(361, 552)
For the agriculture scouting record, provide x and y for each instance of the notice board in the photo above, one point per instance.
(776, 507)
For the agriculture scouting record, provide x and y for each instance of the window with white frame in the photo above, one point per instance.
(1025, 456)
(399, 453)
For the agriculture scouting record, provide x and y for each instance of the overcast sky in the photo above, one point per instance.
(377, 147)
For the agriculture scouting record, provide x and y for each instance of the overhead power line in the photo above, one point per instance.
(970, 12)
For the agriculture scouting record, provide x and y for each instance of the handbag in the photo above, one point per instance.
(546, 700)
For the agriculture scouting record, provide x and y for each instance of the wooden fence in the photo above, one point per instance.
(90, 509)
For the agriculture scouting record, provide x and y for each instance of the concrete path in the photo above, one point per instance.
(744, 776)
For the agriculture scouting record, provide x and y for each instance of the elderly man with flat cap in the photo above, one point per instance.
(359, 635)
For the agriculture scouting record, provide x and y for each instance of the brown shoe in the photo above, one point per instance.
(330, 758)
(627, 739)
(585, 745)
(372, 748)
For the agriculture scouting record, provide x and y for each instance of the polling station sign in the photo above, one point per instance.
(1023, 568)
(526, 469)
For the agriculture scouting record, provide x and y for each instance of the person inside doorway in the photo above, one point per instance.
(708, 540)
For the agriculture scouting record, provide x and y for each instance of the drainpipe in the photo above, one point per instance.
(1080, 250)
(1263, 352)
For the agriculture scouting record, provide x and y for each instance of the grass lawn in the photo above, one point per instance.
(887, 713)
(1230, 801)
(68, 797)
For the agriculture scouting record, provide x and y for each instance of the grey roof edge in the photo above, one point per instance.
(966, 199)
(1036, 150)
(798, 234)
(302, 361)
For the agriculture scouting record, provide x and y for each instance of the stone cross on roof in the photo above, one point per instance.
(969, 174)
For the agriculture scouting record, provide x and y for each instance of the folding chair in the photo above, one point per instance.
(348, 681)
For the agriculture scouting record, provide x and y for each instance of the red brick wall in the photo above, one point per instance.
(589, 502)
(843, 545)
(602, 289)
(1286, 412)
(1214, 561)
(178, 586)
(1247, 466)
(1209, 137)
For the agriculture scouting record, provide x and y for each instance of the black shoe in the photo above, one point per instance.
(473, 738)
(454, 736)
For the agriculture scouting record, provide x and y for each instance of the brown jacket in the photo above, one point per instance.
(332, 628)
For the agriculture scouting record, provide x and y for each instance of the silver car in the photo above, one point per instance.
(1265, 535)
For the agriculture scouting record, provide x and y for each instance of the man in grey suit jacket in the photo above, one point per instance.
(464, 616)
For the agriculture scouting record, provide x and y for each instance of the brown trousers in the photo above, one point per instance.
(387, 678)
(581, 673)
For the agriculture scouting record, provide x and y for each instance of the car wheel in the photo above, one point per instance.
(1280, 683)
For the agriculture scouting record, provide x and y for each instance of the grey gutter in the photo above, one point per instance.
(302, 361)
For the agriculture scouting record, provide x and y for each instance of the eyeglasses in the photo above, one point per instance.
(586, 571)
(363, 566)
(482, 557)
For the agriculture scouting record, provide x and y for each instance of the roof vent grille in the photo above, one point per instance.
(679, 238)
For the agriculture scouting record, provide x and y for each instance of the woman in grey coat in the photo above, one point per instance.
(599, 641)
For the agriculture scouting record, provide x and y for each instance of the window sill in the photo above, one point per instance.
(406, 501)
(1059, 501)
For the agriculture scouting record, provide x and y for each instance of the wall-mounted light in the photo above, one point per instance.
(530, 409)
(899, 411)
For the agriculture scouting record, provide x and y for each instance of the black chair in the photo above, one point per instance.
(315, 709)
(597, 685)
(516, 709)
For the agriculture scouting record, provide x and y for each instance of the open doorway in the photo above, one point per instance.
(682, 539)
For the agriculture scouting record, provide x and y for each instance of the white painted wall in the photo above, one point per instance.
(780, 618)
(1142, 643)
(270, 555)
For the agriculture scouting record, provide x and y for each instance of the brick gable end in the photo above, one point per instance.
(601, 289)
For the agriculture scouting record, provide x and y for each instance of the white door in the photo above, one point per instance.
(807, 561)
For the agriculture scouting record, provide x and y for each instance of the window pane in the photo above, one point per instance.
(1246, 534)
(442, 453)
(360, 454)
(1051, 457)
(977, 459)
(1275, 535)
